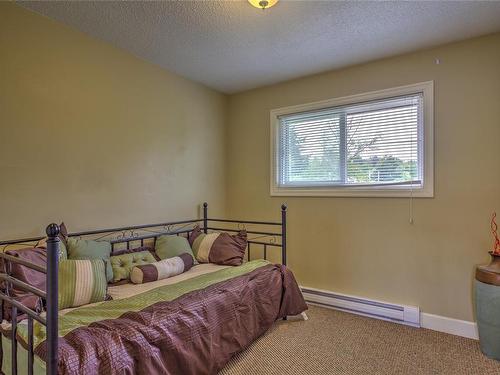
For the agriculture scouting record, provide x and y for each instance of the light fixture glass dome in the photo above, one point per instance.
(263, 4)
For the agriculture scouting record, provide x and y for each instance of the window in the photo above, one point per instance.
(374, 144)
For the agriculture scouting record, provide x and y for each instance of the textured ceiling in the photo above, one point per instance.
(231, 46)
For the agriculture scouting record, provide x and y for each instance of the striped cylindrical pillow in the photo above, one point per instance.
(161, 270)
(81, 282)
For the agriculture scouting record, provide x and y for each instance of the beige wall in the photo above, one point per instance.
(93, 136)
(366, 246)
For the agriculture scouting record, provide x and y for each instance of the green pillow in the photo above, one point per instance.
(88, 249)
(196, 243)
(123, 264)
(81, 282)
(172, 246)
(63, 252)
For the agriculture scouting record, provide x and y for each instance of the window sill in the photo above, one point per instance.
(360, 192)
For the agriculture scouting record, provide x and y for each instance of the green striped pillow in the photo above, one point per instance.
(81, 282)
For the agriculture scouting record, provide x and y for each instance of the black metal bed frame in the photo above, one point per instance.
(118, 237)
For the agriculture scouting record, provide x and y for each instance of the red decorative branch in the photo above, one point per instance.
(494, 228)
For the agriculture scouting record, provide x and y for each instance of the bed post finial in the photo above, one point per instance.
(205, 217)
(52, 231)
(283, 234)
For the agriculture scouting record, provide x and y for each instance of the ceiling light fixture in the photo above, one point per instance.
(263, 4)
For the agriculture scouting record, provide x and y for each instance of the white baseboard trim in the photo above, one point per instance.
(452, 326)
(409, 315)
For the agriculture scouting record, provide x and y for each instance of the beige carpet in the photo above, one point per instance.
(333, 342)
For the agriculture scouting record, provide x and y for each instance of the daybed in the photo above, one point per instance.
(192, 323)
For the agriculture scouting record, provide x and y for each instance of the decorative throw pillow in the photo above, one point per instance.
(63, 235)
(220, 248)
(88, 249)
(123, 264)
(63, 252)
(81, 282)
(28, 275)
(162, 269)
(116, 252)
(172, 246)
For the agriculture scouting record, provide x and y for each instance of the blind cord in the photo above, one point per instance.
(411, 205)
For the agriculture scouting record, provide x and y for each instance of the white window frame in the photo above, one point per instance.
(424, 191)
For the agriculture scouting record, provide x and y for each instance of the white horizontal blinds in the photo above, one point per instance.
(310, 148)
(383, 141)
(372, 143)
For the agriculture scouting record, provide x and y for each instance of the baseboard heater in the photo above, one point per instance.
(408, 315)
